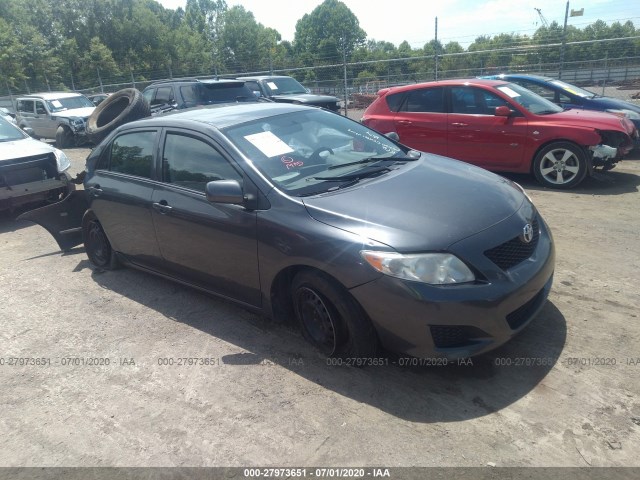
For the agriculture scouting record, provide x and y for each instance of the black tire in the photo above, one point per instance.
(560, 165)
(330, 318)
(64, 137)
(96, 243)
(122, 107)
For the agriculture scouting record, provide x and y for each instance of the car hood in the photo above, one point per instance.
(75, 112)
(428, 205)
(306, 98)
(592, 119)
(615, 103)
(26, 147)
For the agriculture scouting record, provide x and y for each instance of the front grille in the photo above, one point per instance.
(515, 251)
(521, 314)
(445, 336)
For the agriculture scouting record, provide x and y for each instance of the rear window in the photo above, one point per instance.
(394, 101)
(225, 92)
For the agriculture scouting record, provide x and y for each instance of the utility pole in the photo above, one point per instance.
(564, 40)
(436, 48)
(344, 64)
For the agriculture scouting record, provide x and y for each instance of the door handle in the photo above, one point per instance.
(460, 124)
(95, 190)
(162, 207)
(404, 122)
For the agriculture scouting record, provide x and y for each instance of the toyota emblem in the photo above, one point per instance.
(527, 233)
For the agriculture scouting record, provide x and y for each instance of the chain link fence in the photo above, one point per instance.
(357, 82)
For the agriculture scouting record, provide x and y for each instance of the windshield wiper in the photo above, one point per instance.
(374, 159)
(353, 176)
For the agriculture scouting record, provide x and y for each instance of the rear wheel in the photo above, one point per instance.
(331, 319)
(560, 165)
(97, 244)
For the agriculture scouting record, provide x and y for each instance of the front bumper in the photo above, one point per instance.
(22, 194)
(459, 321)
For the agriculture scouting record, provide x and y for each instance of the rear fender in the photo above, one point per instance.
(63, 220)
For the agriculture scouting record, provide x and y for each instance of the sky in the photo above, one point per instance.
(458, 20)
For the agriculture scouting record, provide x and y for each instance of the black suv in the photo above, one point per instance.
(280, 88)
(191, 92)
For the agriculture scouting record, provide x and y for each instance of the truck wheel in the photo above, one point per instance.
(122, 107)
(64, 137)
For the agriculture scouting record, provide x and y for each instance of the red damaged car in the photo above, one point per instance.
(502, 127)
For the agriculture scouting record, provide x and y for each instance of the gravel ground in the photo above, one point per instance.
(266, 399)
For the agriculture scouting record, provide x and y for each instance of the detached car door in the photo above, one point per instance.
(477, 135)
(211, 245)
(119, 193)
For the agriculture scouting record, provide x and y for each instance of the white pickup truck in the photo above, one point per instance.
(56, 115)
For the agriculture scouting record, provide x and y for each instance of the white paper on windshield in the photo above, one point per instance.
(269, 144)
(508, 91)
(272, 86)
(56, 103)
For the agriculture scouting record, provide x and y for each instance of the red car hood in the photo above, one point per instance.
(589, 118)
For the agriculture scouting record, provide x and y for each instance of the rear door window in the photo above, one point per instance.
(132, 154)
(425, 100)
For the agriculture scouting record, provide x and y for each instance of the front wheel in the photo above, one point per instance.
(331, 319)
(560, 165)
(64, 137)
(97, 244)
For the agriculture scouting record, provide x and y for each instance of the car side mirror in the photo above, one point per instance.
(393, 136)
(29, 131)
(503, 111)
(225, 191)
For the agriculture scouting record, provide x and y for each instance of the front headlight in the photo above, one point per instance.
(431, 268)
(626, 113)
(62, 161)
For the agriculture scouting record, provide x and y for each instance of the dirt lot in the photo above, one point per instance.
(266, 399)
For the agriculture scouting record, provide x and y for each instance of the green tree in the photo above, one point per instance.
(328, 32)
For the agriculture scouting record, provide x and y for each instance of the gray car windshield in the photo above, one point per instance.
(69, 103)
(529, 100)
(315, 151)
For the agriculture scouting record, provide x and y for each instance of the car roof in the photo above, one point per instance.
(444, 83)
(52, 95)
(262, 77)
(524, 76)
(207, 81)
(220, 116)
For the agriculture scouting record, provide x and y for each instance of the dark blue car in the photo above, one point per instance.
(571, 96)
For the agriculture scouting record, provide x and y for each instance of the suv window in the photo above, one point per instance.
(40, 110)
(163, 95)
(192, 163)
(25, 106)
(189, 95)
(132, 153)
(254, 87)
(425, 100)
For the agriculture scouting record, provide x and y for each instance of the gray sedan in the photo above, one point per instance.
(302, 214)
